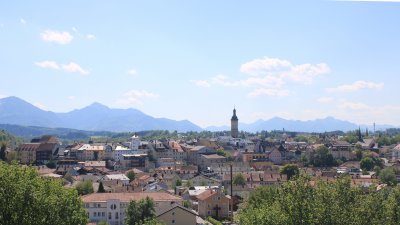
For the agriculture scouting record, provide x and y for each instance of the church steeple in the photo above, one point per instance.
(234, 125)
(234, 117)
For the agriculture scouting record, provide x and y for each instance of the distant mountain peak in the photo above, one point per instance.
(97, 105)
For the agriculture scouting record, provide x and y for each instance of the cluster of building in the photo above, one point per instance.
(188, 180)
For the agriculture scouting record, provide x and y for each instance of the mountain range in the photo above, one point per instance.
(94, 117)
(98, 117)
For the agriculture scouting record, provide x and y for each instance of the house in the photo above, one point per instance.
(340, 149)
(276, 156)
(120, 177)
(212, 159)
(194, 154)
(133, 161)
(178, 215)
(202, 180)
(26, 153)
(40, 150)
(396, 153)
(214, 203)
(111, 207)
(93, 152)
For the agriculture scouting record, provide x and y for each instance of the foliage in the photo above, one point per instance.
(131, 175)
(51, 164)
(69, 178)
(290, 170)
(103, 223)
(27, 198)
(213, 221)
(3, 148)
(178, 183)
(84, 187)
(387, 176)
(221, 152)
(140, 211)
(368, 163)
(189, 184)
(322, 158)
(187, 204)
(101, 188)
(298, 202)
(239, 179)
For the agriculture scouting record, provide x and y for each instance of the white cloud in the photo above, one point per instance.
(74, 68)
(70, 68)
(265, 65)
(325, 99)
(60, 37)
(358, 85)
(305, 73)
(353, 105)
(133, 97)
(72, 97)
(268, 92)
(22, 21)
(201, 83)
(48, 65)
(74, 29)
(40, 106)
(132, 72)
(90, 36)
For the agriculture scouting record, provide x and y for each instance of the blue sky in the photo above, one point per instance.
(195, 60)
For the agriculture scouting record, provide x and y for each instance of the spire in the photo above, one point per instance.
(234, 117)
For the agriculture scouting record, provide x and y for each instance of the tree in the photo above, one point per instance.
(84, 187)
(101, 188)
(27, 198)
(178, 183)
(239, 179)
(103, 223)
(3, 151)
(69, 178)
(322, 157)
(51, 165)
(367, 163)
(131, 175)
(187, 204)
(221, 152)
(140, 211)
(290, 170)
(189, 184)
(387, 176)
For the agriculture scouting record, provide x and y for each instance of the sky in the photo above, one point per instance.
(197, 60)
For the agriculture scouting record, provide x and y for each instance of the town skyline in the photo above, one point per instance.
(294, 60)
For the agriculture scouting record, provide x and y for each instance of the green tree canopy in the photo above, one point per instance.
(301, 202)
(140, 211)
(290, 170)
(322, 157)
(367, 163)
(239, 179)
(387, 176)
(131, 175)
(84, 187)
(27, 198)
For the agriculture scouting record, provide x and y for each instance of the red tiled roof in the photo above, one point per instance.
(206, 194)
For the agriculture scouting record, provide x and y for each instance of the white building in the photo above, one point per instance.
(121, 177)
(111, 207)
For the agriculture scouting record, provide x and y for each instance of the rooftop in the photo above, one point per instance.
(126, 197)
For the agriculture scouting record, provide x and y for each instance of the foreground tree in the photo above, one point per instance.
(27, 198)
(302, 201)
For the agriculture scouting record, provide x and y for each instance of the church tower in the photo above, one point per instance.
(234, 125)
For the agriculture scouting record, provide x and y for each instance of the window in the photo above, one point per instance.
(103, 214)
(98, 205)
(95, 214)
(173, 213)
(109, 216)
(173, 221)
(208, 212)
(116, 215)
